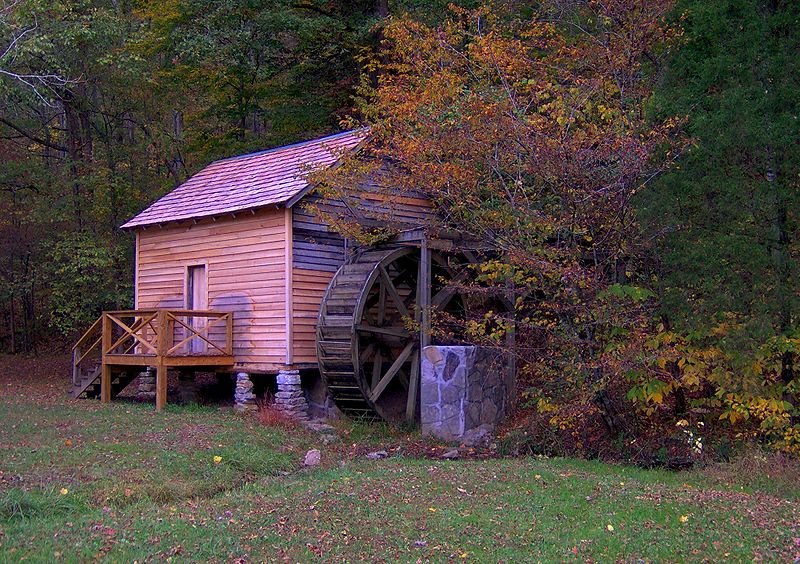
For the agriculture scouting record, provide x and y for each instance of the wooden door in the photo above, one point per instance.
(197, 298)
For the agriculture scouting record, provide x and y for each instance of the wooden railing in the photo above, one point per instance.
(152, 337)
(124, 341)
(86, 354)
(167, 333)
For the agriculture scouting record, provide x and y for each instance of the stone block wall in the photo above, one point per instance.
(462, 388)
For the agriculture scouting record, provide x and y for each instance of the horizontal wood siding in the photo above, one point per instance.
(245, 264)
(308, 287)
(315, 245)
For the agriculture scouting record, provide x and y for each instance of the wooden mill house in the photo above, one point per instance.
(235, 274)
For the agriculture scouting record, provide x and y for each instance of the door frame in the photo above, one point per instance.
(186, 270)
(195, 345)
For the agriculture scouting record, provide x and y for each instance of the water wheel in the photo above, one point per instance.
(368, 332)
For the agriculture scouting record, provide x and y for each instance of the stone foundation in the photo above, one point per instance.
(147, 385)
(289, 397)
(243, 396)
(462, 389)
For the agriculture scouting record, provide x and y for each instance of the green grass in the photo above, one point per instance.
(141, 485)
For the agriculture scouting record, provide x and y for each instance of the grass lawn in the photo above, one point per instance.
(81, 481)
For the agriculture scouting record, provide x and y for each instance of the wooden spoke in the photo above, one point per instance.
(398, 301)
(387, 378)
(377, 365)
(369, 351)
(381, 304)
(443, 296)
(383, 330)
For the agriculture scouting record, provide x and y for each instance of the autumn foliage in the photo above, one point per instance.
(531, 132)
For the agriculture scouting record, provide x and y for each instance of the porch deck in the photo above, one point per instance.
(129, 341)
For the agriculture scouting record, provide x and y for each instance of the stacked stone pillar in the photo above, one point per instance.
(243, 396)
(147, 385)
(289, 397)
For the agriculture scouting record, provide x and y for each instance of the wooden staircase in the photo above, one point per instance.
(88, 384)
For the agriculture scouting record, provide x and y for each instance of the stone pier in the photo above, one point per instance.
(289, 397)
(147, 385)
(462, 389)
(243, 396)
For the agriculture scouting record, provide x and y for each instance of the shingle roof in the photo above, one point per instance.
(271, 177)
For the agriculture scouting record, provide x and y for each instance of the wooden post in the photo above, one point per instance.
(76, 375)
(164, 344)
(229, 334)
(424, 293)
(105, 369)
(161, 386)
(424, 319)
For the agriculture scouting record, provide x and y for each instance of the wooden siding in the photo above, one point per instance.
(245, 260)
(308, 287)
(315, 245)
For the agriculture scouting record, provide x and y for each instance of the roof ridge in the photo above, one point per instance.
(292, 145)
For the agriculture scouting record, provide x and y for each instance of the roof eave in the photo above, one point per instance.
(213, 217)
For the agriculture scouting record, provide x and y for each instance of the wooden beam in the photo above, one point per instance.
(382, 330)
(161, 386)
(105, 383)
(398, 301)
(105, 368)
(289, 285)
(387, 378)
(377, 366)
(424, 295)
(413, 388)
(161, 370)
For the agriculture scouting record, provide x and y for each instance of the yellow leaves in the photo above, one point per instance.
(683, 518)
(610, 528)
(432, 509)
(64, 491)
(217, 459)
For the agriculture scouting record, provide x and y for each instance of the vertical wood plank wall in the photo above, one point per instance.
(246, 266)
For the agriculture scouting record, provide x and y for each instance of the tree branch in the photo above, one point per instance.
(31, 136)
